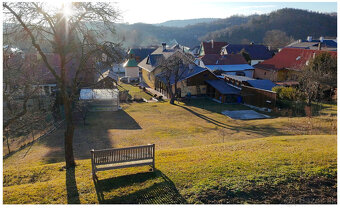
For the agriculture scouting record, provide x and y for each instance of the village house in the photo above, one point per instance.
(135, 55)
(232, 64)
(150, 65)
(257, 52)
(191, 81)
(285, 65)
(211, 47)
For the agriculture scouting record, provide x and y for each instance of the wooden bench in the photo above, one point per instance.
(109, 159)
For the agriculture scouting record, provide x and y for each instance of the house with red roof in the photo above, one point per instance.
(284, 66)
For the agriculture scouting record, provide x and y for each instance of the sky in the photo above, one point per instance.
(157, 11)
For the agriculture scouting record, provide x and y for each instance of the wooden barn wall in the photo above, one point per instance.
(258, 97)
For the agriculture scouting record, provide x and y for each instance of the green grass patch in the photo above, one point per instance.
(134, 91)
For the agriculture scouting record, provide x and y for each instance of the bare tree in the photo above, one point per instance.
(21, 89)
(72, 31)
(277, 39)
(173, 68)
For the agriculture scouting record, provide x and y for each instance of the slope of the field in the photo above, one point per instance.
(196, 123)
(287, 169)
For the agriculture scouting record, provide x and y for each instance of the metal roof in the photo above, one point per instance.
(223, 87)
(262, 84)
(230, 68)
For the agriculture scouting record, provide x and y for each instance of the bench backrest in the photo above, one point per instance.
(118, 155)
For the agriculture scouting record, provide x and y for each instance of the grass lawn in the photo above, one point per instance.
(286, 169)
(202, 156)
(134, 91)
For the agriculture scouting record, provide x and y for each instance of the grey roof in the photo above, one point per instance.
(155, 57)
(262, 84)
(223, 87)
(255, 51)
(152, 61)
(325, 44)
(185, 74)
(238, 78)
(141, 52)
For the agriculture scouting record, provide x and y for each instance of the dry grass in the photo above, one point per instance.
(169, 127)
(220, 173)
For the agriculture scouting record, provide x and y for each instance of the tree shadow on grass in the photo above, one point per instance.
(264, 130)
(208, 119)
(71, 187)
(162, 192)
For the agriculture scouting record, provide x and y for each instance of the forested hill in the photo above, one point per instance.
(296, 23)
(183, 23)
(141, 34)
(236, 29)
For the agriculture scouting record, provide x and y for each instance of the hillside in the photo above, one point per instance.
(183, 23)
(141, 34)
(202, 156)
(286, 169)
(296, 23)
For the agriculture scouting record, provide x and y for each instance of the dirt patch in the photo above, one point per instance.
(313, 190)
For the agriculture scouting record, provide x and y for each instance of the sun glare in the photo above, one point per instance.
(65, 7)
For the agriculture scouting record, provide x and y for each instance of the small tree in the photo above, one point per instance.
(82, 108)
(318, 75)
(173, 69)
(246, 55)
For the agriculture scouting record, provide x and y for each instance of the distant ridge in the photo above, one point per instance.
(183, 23)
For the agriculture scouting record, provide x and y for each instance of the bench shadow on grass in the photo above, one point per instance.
(163, 191)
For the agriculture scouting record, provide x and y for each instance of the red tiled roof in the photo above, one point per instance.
(290, 58)
(229, 59)
(213, 47)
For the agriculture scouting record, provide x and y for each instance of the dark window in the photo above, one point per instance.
(240, 74)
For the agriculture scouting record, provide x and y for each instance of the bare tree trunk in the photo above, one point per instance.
(7, 142)
(68, 143)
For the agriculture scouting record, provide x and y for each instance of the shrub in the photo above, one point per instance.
(286, 93)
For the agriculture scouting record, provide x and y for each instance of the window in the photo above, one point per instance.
(240, 74)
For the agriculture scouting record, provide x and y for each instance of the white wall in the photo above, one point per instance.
(132, 72)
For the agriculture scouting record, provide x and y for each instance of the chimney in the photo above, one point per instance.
(321, 39)
(212, 43)
(309, 38)
(164, 46)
